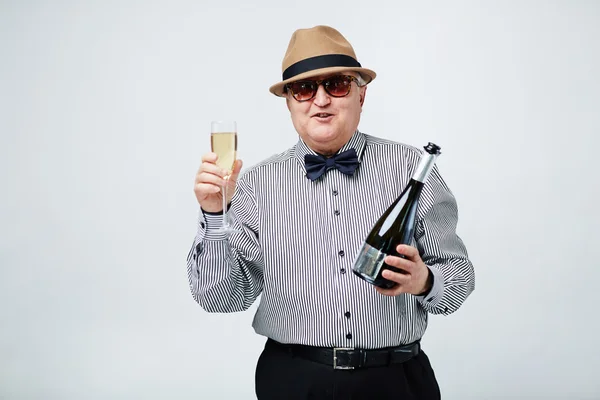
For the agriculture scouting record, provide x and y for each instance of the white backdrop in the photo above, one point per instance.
(105, 110)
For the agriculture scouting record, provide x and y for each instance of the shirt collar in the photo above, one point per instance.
(357, 142)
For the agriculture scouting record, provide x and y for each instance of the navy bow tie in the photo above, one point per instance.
(316, 165)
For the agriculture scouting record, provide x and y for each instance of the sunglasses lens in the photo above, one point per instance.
(338, 86)
(303, 90)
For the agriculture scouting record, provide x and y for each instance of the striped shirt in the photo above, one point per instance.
(298, 241)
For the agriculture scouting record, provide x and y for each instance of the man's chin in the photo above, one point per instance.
(323, 132)
(323, 136)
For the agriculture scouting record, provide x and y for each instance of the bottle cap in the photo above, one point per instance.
(432, 148)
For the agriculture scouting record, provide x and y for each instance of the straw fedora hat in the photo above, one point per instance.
(317, 51)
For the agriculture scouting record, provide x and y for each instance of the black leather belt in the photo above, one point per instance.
(348, 358)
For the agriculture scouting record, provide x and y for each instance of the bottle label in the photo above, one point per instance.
(369, 262)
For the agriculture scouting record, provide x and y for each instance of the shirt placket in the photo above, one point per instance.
(341, 269)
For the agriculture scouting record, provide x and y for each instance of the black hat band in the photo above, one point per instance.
(318, 62)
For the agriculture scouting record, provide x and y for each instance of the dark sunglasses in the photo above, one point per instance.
(336, 86)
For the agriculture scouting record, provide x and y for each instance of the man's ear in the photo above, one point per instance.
(287, 101)
(363, 94)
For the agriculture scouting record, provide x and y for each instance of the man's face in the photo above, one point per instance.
(325, 122)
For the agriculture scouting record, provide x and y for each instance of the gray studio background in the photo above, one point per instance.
(105, 111)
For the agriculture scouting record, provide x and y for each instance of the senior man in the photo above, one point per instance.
(302, 216)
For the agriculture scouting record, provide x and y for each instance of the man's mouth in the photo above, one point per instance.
(322, 115)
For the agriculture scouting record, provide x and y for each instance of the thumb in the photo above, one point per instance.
(237, 167)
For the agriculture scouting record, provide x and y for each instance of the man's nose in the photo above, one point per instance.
(322, 98)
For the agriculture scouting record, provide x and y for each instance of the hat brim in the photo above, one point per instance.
(367, 74)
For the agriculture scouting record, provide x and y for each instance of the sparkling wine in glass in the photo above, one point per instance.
(223, 142)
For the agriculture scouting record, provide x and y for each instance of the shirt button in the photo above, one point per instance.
(349, 336)
(347, 314)
(343, 270)
(202, 225)
(335, 192)
(337, 212)
(341, 253)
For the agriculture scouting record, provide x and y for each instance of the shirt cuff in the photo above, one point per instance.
(432, 299)
(209, 224)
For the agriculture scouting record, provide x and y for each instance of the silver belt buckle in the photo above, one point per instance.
(335, 350)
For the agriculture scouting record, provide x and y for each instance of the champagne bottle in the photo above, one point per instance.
(394, 227)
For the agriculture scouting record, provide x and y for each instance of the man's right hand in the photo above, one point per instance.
(209, 182)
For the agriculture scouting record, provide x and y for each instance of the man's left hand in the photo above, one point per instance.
(416, 279)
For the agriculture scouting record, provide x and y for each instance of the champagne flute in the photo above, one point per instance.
(223, 141)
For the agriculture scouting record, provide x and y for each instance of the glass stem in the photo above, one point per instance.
(224, 203)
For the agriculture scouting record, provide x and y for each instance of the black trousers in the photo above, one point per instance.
(281, 376)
